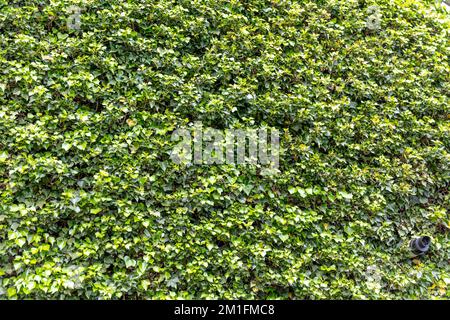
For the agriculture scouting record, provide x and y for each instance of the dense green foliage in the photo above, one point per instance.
(91, 206)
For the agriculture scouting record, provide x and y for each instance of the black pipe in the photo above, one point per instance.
(419, 246)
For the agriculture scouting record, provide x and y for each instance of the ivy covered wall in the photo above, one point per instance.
(92, 206)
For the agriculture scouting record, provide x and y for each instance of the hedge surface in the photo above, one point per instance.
(93, 207)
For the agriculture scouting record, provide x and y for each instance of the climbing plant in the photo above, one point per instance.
(92, 206)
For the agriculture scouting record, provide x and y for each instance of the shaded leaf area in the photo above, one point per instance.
(92, 206)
